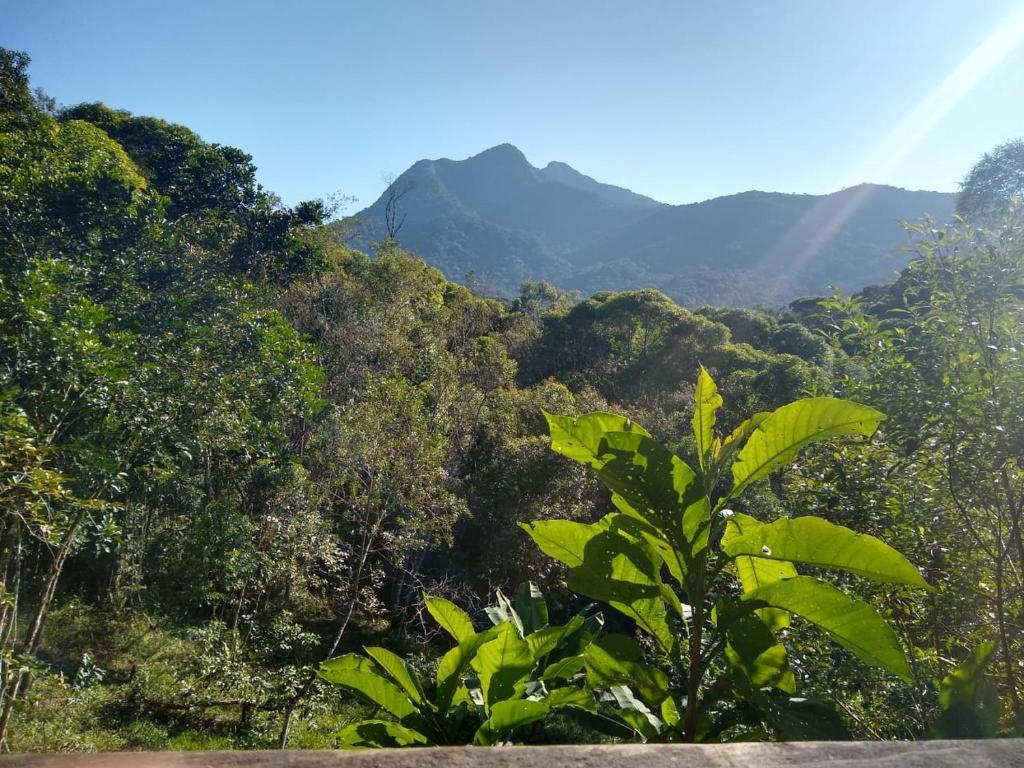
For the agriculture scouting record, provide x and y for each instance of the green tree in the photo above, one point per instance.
(989, 189)
(942, 356)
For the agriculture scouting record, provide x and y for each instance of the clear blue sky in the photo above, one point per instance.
(678, 100)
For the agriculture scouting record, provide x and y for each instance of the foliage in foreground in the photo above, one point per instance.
(709, 590)
(492, 683)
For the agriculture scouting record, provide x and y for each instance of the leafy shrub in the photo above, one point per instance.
(710, 588)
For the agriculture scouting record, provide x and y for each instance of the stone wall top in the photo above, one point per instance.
(926, 754)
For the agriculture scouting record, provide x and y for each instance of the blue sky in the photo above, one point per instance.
(678, 100)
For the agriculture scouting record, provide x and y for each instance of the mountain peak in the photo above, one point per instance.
(503, 152)
(556, 165)
(556, 170)
(563, 173)
(508, 221)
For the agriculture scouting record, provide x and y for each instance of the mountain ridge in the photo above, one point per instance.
(497, 216)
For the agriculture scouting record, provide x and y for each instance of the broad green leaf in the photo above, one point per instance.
(626, 576)
(635, 713)
(754, 652)
(453, 664)
(852, 623)
(580, 438)
(379, 733)
(814, 541)
(600, 723)
(777, 440)
(962, 680)
(576, 642)
(706, 402)
(501, 663)
(544, 641)
(970, 704)
(450, 617)
(633, 526)
(564, 669)
(571, 696)
(564, 540)
(358, 675)
(399, 671)
(531, 607)
(670, 712)
(724, 450)
(508, 715)
(653, 483)
(755, 572)
(617, 660)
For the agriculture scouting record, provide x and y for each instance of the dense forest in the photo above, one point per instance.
(235, 448)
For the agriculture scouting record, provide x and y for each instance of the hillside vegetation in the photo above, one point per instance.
(499, 219)
(238, 452)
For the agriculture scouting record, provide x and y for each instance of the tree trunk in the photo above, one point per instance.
(20, 681)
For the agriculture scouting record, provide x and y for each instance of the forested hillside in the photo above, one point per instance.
(499, 221)
(235, 448)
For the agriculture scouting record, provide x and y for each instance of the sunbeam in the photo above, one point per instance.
(805, 240)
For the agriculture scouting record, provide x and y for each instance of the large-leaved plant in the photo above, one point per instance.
(711, 588)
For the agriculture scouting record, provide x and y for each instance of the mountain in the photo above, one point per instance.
(497, 216)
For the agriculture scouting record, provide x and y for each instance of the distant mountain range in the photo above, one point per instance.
(500, 219)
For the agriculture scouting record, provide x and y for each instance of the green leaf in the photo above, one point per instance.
(852, 623)
(564, 540)
(970, 704)
(961, 681)
(652, 482)
(670, 712)
(814, 541)
(578, 641)
(450, 617)
(626, 576)
(617, 660)
(571, 696)
(755, 572)
(580, 438)
(723, 451)
(399, 671)
(379, 733)
(755, 653)
(564, 669)
(508, 715)
(501, 663)
(544, 641)
(359, 676)
(706, 403)
(453, 664)
(600, 723)
(608, 567)
(531, 607)
(777, 440)
(635, 527)
(635, 713)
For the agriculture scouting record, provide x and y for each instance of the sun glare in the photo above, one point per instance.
(806, 239)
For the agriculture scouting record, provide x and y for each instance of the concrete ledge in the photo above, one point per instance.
(997, 753)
